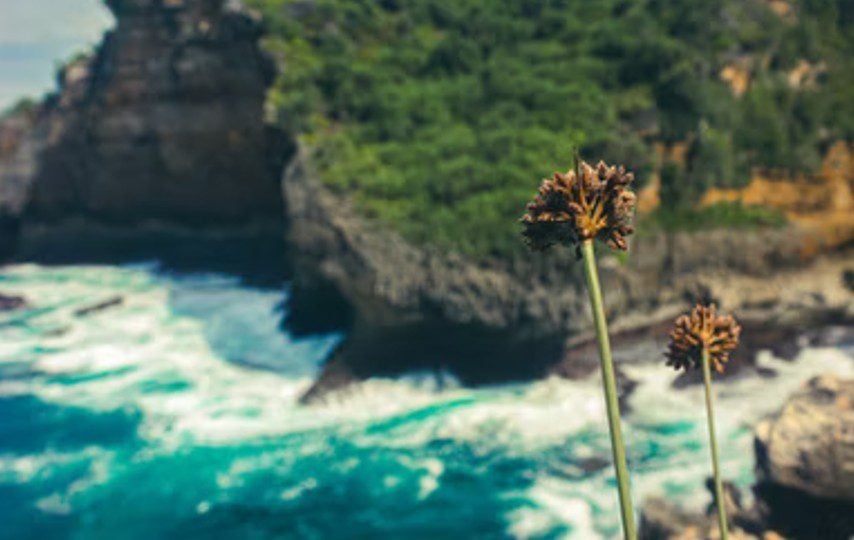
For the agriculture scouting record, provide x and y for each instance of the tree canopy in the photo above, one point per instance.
(440, 116)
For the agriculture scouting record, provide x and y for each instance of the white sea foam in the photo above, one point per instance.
(154, 355)
(297, 491)
(59, 502)
(430, 470)
(554, 502)
(527, 522)
(141, 342)
(741, 402)
(26, 468)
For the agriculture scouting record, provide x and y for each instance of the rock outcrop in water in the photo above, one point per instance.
(805, 462)
(805, 475)
(164, 122)
(11, 302)
(809, 446)
(663, 520)
(415, 307)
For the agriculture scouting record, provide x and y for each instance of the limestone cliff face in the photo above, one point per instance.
(163, 122)
(18, 147)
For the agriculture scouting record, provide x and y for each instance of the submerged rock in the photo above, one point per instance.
(11, 302)
(99, 306)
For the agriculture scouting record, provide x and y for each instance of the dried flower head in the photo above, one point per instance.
(702, 329)
(587, 203)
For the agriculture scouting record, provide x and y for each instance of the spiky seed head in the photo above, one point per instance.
(581, 204)
(702, 328)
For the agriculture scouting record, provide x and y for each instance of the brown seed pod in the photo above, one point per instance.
(702, 329)
(587, 203)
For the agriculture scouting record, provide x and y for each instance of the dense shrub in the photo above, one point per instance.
(733, 215)
(438, 115)
(22, 106)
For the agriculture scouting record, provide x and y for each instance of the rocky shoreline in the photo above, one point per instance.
(420, 308)
(805, 476)
(155, 147)
(130, 155)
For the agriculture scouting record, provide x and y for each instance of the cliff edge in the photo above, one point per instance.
(162, 123)
(418, 307)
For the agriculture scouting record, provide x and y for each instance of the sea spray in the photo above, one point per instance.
(168, 429)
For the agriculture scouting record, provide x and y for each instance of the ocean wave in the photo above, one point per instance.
(198, 434)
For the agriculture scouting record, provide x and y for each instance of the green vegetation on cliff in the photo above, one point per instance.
(437, 115)
(22, 106)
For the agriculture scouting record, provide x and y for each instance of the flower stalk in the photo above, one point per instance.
(713, 444)
(609, 385)
(703, 339)
(573, 209)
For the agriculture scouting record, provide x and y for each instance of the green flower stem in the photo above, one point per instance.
(610, 384)
(710, 407)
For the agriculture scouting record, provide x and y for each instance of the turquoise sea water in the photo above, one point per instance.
(173, 415)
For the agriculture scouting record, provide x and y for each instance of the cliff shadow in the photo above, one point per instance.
(475, 355)
(256, 254)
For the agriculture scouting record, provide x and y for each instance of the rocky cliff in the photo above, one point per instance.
(20, 136)
(416, 307)
(163, 122)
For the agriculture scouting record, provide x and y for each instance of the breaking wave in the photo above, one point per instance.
(136, 403)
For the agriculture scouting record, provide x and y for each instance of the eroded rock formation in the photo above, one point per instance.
(163, 122)
(417, 307)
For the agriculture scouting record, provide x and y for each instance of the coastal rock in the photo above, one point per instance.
(660, 520)
(164, 122)
(418, 306)
(11, 302)
(804, 468)
(412, 308)
(810, 445)
(805, 462)
(20, 137)
(663, 520)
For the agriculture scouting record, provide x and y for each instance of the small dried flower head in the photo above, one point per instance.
(587, 203)
(702, 329)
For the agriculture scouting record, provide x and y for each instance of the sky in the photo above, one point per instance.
(37, 35)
